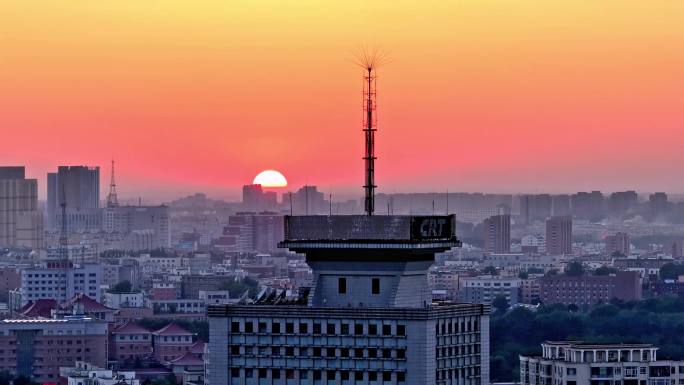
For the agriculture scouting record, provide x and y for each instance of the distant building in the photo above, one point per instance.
(619, 203)
(309, 201)
(576, 363)
(130, 342)
(530, 291)
(560, 205)
(79, 188)
(37, 348)
(588, 290)
(484, 289)
(535, 207)
(59, 282)
(10, 279)
(497, 234)
(618, 243)
(20, 220)
(254, 198)
(559, 235)
(134, 222)
(84, 373)
(171, 342)
(658, 203)
(588, 205)
(252, 232)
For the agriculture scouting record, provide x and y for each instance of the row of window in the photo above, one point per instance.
(457, 326)
(343, 375)
(317, 328)
(452, 374)
(453, 351)
(317, 352)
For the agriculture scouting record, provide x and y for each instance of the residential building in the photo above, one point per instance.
(85, 373)
(530, 290)
(20, 219)
(618, 243)
(60, 281)
(10, 279)
(137, 222)
(37, 348)
(484, 289)
(171, 342)
(497, 234)
(369, 317)
(79, 188)
(559, 235)
(577, 363)
(131, 342)
(588, 290)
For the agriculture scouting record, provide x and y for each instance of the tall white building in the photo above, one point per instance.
(56, 281)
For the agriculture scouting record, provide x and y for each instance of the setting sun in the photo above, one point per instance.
(270, 178)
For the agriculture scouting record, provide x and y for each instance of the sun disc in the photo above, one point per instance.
(270, 178)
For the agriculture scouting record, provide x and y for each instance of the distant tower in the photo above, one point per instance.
(369, 61)
(112, 201)
(64, 244)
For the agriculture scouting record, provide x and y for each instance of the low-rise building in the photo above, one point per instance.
(131, 342)
(579, 363)
(85, 373)
(171, 342)
(484, 289)
(37, 348)
(588, 290)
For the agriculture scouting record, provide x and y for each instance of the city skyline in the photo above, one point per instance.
(189, 98)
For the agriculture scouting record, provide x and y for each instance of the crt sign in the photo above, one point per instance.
(433, 227)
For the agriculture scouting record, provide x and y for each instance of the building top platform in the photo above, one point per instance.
(370, 232)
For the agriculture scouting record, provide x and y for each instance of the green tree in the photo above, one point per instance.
(5, 377)
(523, 275)
(490, 270)
(22, 380)
(605, 270)
(671, 271)
(500, 303)
(122, 287)
(574, 269)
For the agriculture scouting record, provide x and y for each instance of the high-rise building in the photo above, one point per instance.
(658, 203)
(79, 188)
(497, 234)
(621, 202)
(130, 221)
(560, 205)
(251, 231)
(535, 207)
(588, 205)
(369, 317)
(20, 220)
(309, 201)
(617, 243)
(254, 198)
(559, 235)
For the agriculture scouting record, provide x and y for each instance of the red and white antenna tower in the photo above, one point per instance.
(112, 200)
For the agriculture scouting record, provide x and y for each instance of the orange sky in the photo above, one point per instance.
(479, 95)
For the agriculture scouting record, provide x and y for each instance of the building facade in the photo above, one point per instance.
(559, 235)
(79, 188)
(21, 223)
(497, 234)
(579, 363)
(37, 348)
(589, 290)
(60, 282)
(618, 243)
(485, 288)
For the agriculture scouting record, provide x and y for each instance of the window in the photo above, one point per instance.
(275, 328)
(235, 327)
(372, 376)
(330, 352)
(358, 329)
(330, 374)
(372, 353)
(316, 374)
(330, 329)
(372, 329)
(316, 328)
(344, 375)
(249, 373)
(344, 329)
(401, 330)
(342, 285)
(344, 352)
(234, 372)
(386, 330)
(263, 373)
(303, 328)
(401, 353)
(386, 353)
(358, 376)
(387, 376)
(289, 328)
(375, 283)
(275, 374)
(248, 327)
(401, 377)
(262, 327)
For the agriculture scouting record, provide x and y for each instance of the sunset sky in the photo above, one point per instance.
(500, 96)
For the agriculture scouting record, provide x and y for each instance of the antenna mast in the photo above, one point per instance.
(112, 201)
(64, 244)
(369, 128)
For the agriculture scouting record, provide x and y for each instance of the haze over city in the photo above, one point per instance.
(497, 96)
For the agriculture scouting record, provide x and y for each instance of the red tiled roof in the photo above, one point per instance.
(198, 347)
(130, 327)
(187, 359)
(39, 308)
(172, 329)
(89, 304)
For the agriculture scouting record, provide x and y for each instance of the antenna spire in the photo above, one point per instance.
(369, 60)
(112, 200)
